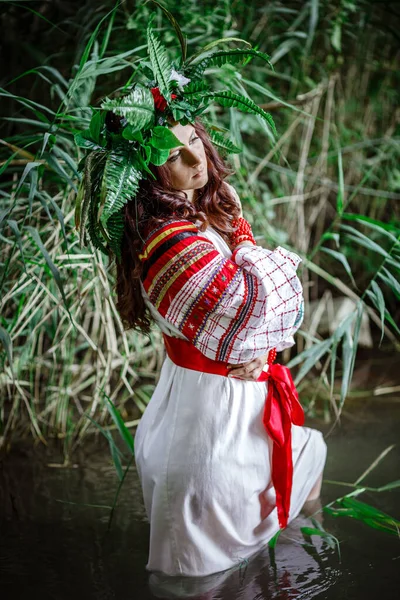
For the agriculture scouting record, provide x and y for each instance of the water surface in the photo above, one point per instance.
(52, 547)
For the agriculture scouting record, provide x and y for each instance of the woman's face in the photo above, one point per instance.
(187, 164)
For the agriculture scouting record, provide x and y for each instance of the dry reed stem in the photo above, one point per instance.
(104, 328)
(95, 320)
(299, 228)
(265, 161)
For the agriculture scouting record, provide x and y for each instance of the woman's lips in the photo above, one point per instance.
(199, 173)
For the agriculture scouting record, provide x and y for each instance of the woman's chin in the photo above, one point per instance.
(200, 182)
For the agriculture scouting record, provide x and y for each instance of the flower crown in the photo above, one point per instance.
(130, 132)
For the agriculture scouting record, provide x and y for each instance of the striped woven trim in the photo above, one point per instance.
(166, 248)
(185, 267)
(164, 233)
(242, 317)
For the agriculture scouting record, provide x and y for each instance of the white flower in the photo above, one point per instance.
(181, 79)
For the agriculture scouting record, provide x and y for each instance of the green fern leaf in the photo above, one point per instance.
(236, 56)
(78, 204)
(92, 175)
(137, 107)
(215, 43)
(122, 176)
(195, 90)
(227, 98)
(93, 230)
(159, 62)
(196, 72)
(115, 230)
(222, 142)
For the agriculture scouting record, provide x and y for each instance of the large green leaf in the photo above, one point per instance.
(390, 281)
(84, 139)
(158, 157)
(137, 107)
(96, 125)
(130, 133)
(163, 139)
(159, 62)
(228, 98)
(121, 176)
(237, 56)
(348, 349)
(310, 531)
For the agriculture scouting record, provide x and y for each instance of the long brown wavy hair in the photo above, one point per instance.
(157, 202)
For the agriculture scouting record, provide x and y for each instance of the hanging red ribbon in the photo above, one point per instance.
(281, 409)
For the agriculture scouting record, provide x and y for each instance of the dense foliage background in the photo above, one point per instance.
(328, 189)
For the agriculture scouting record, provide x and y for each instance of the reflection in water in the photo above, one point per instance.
(55, 545)
(296, 569)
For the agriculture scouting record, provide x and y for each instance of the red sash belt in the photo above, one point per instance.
(282, 408)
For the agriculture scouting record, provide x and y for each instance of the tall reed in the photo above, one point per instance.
(328, 189)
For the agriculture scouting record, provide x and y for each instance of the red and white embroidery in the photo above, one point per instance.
(230, 309)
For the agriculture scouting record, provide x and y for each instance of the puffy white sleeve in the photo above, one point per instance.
(277, 270)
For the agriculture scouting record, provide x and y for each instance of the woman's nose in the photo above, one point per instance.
(193, 158)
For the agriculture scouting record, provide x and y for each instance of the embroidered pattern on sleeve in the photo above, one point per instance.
(230, 310)
(184, 276)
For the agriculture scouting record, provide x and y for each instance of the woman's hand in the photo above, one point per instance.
(242, 233)
(250, 371)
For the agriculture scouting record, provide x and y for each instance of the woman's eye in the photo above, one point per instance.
(176, 156)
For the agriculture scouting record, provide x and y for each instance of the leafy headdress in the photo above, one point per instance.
(130, 132)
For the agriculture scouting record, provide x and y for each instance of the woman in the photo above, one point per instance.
(213, 472)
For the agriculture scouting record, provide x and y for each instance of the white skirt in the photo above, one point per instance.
(204, 462)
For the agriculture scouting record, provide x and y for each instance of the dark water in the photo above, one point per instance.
(54, 550)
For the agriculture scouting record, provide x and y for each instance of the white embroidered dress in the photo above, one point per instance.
(202, 453)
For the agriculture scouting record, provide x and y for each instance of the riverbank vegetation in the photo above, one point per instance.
(328, 188)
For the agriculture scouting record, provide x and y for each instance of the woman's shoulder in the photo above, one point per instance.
(231, 188)
(171, 225)
(233, 193)
(167, 234)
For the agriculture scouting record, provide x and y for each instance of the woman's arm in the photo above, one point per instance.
(231, 310)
